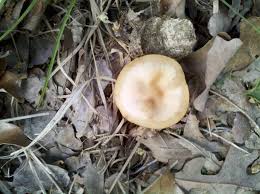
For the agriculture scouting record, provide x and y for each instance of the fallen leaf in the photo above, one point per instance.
(66, 137)
(93, 178)
(173, 8)
(11, 82)
(11, 134)
(21, 51)
(82, 114)
(250, 49)
(250, 74)
(77, 28)
(35, 15)
(241, 128)
(104, 71)
(34, 126)
(233, 89)
(191, 129)
(255, 92)
(8, 19)
(201, 68)
(193, 133)
(166, 148)
(74, 163)
(103, 120)
(256, 8)
(233, 171)
(41, 49)
(165, 184)
(2, 66)
(194, 66)
(32, 86)
(253, 142)
(222, 56)
(219, 22)
(25, 180)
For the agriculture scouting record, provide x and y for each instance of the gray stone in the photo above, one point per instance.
(168, 36)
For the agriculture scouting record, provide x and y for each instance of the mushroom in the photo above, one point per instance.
(151, 91)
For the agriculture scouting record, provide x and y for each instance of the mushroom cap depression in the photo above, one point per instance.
(151, 91)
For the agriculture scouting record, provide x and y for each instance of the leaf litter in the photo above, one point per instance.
(77, 141)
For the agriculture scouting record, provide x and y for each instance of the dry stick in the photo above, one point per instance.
(24, 117)
(46, 170)
(85, 39)
(186, 140)
(75, 85)
(222, 138)
(115, 132)
(58, 116)
(123, 168)
(71, 186)
(257, 128)
(35, 173)
(101, 92)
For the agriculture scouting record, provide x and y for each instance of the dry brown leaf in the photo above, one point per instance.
(35, 15)
(173, 8)
(41, 49)
(32, 86)
(34, 126)
(66, 138)
(166, 148)
(233, 89)
(103, 120)
(211, 62)
(233, 171)
(191, 129)
(193, 133)
(165, 184)
(82, 112)
(219, 22)
(11, 134)
(104, 71)
(241, 128)
(250, 74)
(26, 182)
(250, 48)
(194, 66)
(11, 83)
(256, 8)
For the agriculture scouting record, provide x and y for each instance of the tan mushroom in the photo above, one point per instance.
(151, 91)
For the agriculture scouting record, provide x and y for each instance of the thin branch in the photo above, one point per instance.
(257, 128)
(124, 167)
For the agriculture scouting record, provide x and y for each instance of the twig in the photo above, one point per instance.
(257, 128)
(123, 168)
(187, 141)
(35, 173)
(24, 117)
(115, 132)
(58, 116)
(222, 138)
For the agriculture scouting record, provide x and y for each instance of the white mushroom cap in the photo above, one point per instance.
(151, 91)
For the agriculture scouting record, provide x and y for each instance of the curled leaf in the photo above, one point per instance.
(11, 134)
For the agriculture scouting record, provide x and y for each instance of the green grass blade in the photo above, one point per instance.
(15, 24)
(56, 48)
(2, 2)
(256, 28)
